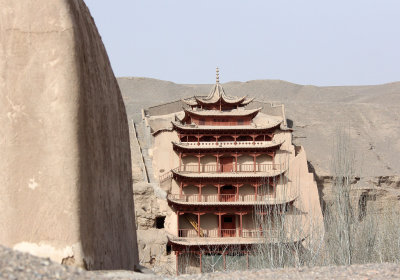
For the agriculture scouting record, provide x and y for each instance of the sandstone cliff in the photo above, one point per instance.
(65, 169)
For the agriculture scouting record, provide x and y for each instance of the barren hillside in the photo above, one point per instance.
(370, 113)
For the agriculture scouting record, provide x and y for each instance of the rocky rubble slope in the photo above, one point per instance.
(16, 265)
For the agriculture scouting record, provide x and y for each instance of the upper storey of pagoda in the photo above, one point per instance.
(218, 109)
(217, 99)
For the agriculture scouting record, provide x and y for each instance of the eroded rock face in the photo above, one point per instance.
(65, 170)
(152, 217)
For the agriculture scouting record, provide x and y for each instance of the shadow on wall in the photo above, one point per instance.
(107, 222)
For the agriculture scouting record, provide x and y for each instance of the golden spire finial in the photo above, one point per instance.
(217, 75)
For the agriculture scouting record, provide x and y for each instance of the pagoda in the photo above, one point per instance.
(232, 159)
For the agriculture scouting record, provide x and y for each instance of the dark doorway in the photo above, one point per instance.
(160, 222)
(226, 164)
(227, 193)
(228, 227)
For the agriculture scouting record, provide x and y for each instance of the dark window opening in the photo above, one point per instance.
(227, 187)
(168, 249)
(160, 222)
(228, 220)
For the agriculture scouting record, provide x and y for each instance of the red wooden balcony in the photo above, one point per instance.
(236, 198)
(213, 233)
(214, 168)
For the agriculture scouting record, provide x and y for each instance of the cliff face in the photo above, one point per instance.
(65, 167)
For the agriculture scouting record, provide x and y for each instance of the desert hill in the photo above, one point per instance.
(370, 114)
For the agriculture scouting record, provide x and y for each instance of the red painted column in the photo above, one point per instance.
(254, 162)
(199, 162)
(241, 224)
(217, 166)
(219, 225)
(177, 222)
(237, 192)
(180, 160)
(198, 224)
(224, 257)
(199, 195)
(177, 262)
(273, 161)
(236, 156)
(219, 192)
(255, 192)
(180, 189)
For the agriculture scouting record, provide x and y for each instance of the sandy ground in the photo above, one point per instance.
(16, 265)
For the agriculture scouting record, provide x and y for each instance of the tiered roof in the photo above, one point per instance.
(217, 96)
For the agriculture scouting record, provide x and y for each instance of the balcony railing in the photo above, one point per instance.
(230, 143)
(210, 198)
(214, 233)
(240, 167)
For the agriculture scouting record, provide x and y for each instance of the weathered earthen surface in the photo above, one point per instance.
(151, 205)
(65, 170)
(14, 265)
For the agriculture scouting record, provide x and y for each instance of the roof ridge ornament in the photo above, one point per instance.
(217, 75)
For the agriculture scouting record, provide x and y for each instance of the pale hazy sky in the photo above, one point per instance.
(338, 42)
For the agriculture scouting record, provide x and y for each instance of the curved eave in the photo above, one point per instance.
(214, 241)
(236, 101)
(224, 128)
(247, 101)
(189, 101)
(178, 146)
(234, 203)
(230, 175)
(204, 113)
(201, 241)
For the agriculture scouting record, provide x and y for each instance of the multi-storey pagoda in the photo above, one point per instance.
(234, 161)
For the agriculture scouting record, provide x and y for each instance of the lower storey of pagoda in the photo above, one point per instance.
(227, 257)
(213, 258)
(226, 192)
(199, 227)
(209, 191)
